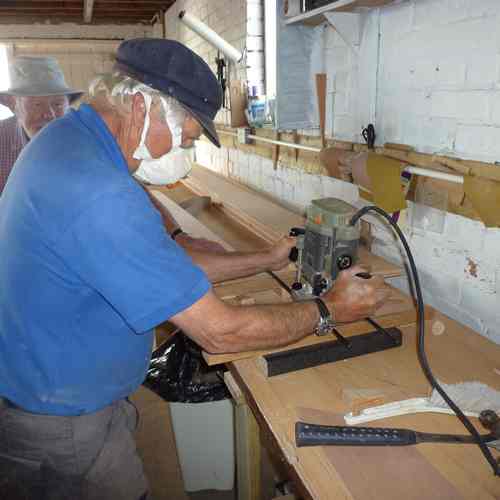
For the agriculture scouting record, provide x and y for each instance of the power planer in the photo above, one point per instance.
(327, 245)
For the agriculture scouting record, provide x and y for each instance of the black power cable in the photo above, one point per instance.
(422, 357)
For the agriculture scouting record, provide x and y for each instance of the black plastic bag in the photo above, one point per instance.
(178, 373)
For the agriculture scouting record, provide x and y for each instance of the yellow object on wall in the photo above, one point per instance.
(484, 194)
(385, 178)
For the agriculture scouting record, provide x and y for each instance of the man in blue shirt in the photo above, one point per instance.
(88, 271)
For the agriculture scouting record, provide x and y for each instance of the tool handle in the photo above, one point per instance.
(294, 252)
(340, 435)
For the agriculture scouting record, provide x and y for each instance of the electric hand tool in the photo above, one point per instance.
(326, 246)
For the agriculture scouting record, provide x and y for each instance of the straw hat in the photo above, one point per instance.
(38, 76)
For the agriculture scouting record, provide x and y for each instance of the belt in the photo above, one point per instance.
(5, 403)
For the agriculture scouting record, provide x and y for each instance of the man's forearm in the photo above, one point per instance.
(219, 327)
(269, 326)
(231, 265)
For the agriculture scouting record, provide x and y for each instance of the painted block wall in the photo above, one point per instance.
(83, 51)
(431, 79)
(228, 18)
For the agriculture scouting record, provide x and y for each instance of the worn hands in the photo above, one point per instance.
(279, 253)
(353, 298)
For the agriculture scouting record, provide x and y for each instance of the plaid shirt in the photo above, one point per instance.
(12, 141)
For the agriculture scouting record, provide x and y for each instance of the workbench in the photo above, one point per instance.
(320, 395)
(268, 407)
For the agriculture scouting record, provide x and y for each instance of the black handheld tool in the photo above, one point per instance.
(294, 252)
(221, 76)
(369, 135)
(340, 435)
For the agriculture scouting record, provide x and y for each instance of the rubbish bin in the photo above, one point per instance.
(202, 413)
(204, 434)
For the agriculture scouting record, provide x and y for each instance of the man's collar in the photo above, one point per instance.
(21, 134)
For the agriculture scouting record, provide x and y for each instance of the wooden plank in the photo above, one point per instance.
(274, 219)
(188, 223)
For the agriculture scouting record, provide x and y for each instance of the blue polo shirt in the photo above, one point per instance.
(86, 271)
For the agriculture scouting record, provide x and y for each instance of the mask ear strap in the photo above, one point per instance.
(174, 116)
(142, 152)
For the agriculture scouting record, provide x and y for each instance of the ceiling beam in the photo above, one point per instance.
(78, 10)
(88, 7)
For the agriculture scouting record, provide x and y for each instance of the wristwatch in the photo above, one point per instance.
(326, 321)
(176, 233)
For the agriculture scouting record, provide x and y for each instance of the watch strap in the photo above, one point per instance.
(176, 233)
(326, 322)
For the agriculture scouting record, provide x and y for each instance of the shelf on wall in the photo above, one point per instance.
(316, 16)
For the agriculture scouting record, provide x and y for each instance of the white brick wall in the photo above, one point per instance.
(229, 19)
(438, 89)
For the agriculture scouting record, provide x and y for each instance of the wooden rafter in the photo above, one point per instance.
(88, 10)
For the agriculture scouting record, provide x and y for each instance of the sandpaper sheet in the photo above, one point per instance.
(385, 179)
(238, 100)
(484, 194)
(382, 472)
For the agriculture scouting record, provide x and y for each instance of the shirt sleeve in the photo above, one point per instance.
(118, 246)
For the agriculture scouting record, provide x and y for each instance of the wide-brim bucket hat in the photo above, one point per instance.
(175, 70)
(32, 76)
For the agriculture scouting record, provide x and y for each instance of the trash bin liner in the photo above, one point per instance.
(178, 373)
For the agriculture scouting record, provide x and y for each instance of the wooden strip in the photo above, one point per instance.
(321, 96)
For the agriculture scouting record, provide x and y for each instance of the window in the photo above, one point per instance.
(5, 112)
(270, 47)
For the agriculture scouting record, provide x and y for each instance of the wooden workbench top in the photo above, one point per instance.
(319, 395)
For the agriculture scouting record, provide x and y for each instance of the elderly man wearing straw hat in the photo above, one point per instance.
(88, 271)
(37, 95)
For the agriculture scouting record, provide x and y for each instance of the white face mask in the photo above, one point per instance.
(172, 166)
(168, 169)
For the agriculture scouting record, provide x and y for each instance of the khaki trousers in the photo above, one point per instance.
(87, 457)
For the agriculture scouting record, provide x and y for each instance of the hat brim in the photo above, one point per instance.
(206, 123)
(72, 95)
